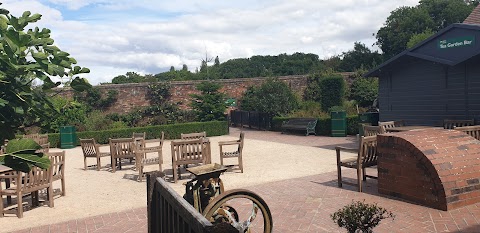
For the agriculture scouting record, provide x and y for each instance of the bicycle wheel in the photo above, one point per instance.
(233, 206)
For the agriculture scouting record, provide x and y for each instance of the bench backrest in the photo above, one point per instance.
(473, 131)
(189, 136)
(169, 212)
(308, 122)
(450, 124)
(369, 130)
(367, 153)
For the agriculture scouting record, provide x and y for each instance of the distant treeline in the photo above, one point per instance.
(361, 57)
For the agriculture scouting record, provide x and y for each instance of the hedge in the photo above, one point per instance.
(323, 125)
(213, 128)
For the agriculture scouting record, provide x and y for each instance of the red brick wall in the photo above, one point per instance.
(134, 94)
(433, 167)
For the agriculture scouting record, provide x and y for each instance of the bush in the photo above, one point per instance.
(332, 90)
(69, 113)
(364, 91)
(173, 131)
(360, 217)
(273, 97)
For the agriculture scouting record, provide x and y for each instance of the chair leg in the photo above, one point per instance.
(140, 173)
(63, 186)
(339, 173)
(84, 163)
(174, 171)
(19, 206)
(359, 179)
(240, 163)
(1, 206)
(114, 165)
(99, 163)
(50, 196)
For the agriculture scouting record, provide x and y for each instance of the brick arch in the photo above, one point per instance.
(433, 167)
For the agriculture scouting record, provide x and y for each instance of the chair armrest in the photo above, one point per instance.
(228, 143)
(347, 149)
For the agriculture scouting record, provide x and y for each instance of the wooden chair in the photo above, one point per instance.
(190, 136)
(451, 124)
(366, 157)
(369, 130)
(139, 138)
(91, 150)
(385, 125)
(185, 152)
(121, 148)
(41, 139)
(58, 168)
(232, 154)
(473, 131)
(25, 183)
(142, 159)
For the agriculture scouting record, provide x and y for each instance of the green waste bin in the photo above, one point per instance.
(368, 118)
(68, 137)
(339, 123)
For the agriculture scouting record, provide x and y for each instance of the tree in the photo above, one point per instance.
(404, 22)
(27, 56)
(273, 96)
(217, 61)
(417, 38)
(361, 57)
(172, 69)
(210, 104)
(364, 90)
(184, 67)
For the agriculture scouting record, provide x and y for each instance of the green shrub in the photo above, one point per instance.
(332, 91)
(360, 217)
(213, 128)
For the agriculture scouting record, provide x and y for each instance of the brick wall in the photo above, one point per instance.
(433, 167)
(133, 95)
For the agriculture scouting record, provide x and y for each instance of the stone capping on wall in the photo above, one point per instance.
(434, 167)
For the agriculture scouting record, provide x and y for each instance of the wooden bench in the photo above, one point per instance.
(297, 124)
(473, 131)
(169, 212)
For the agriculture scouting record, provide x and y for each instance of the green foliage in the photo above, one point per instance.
(359, 216)
(419, 37)
(27, 56)
(273, 97)
(361, 57)
(133, 77)
(21, 155)
(172, 131)
(97, 121)
(404, 22)
(159, 93)
(309, 109)
(210, 104)
(332, 91)
(66, 112)
(364, 90)
(94, 100)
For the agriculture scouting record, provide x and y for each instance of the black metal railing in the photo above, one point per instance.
(257, 120)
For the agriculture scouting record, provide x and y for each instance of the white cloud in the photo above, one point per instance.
(112, 37)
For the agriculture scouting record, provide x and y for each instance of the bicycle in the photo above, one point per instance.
(206, 193)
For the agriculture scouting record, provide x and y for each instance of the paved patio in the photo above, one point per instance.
(304, 204)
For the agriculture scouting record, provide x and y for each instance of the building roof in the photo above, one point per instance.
(474, 17)
(432, 49)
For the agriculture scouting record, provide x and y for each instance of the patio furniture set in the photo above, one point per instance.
(367, 148)
(20, 184)
(190, 149)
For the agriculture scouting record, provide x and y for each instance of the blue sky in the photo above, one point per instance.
(112, 37)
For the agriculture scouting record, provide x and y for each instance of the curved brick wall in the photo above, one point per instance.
(433, 167)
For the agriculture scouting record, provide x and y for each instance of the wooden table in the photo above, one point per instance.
(408, 128)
